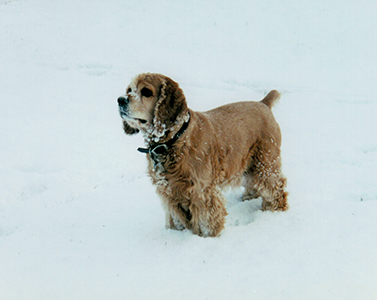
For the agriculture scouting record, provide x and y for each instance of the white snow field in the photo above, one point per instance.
(80, 219)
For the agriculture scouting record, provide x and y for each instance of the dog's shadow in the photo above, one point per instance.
(241, 212)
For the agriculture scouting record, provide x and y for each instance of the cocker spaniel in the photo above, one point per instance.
(193, 155)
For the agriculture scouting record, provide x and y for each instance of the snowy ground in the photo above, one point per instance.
(79, 218)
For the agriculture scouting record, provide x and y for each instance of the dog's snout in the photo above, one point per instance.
(122, 101)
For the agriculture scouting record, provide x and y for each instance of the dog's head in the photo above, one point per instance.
(153, 104)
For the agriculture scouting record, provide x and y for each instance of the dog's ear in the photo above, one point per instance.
(170, 104)
(128, 129)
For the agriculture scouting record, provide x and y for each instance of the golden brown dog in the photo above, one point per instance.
(193, 155)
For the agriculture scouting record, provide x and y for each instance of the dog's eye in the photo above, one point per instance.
(129, 90)
(146, 92)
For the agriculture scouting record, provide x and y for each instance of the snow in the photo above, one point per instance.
(79, 218)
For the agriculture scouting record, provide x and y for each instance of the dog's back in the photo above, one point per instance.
(246, 122)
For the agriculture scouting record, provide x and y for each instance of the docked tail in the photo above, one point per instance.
(271, 98)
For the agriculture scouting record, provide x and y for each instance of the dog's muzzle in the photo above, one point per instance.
(123, 106)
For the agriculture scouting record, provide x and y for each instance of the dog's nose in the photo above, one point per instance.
(122, 100)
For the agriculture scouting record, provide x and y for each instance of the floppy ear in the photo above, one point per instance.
(170, 104)
(128, 129)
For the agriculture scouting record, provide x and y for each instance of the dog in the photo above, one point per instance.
(193, 155)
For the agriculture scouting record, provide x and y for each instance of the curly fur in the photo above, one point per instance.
(235, 144)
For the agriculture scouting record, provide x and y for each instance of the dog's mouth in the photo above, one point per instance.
(125, 116)
(142, 121)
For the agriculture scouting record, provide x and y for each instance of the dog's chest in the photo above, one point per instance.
(157, 172)
(168, 177)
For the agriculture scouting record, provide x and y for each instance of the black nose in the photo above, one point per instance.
(122, 100)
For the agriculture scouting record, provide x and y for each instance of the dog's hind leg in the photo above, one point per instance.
(264, 179)
(250, 192)
(275, 199)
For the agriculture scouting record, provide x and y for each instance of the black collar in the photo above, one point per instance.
(156, 150)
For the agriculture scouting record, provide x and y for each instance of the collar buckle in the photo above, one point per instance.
(160, 149)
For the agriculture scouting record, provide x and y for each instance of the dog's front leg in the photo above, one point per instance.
(177, 216)
(208, 213)
(172, 222)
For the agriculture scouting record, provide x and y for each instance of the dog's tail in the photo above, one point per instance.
(271, 98)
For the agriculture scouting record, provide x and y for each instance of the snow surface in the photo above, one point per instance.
(79, 218)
